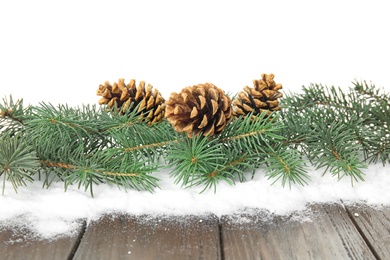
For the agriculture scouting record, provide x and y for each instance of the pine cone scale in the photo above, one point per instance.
(213, 94)
(221, 119)
(209, 130)
(194, 112)
(121, 84)
(125, 95)
(225, 104)
(203, 123)
(107, 94)
(214, 106)
(103, 101)
(202, 101)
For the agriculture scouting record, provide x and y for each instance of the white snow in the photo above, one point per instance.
(52, 212)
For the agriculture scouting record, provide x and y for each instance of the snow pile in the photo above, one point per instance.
(51, 212)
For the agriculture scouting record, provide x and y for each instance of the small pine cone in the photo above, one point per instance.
(151, 103)
(201, 108)
(263, 97)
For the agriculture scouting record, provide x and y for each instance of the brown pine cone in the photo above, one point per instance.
(151, 103)
(201, 108)
(263, 97)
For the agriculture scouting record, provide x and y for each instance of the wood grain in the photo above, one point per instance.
(374, 225)
(19, 243)
(329, 234)
(146, 237)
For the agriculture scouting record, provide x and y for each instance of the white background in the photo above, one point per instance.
(60, 51)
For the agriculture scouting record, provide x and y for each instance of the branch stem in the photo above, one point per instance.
(4, 173)
(146, 146)
(74, 167)
(243, 135)
(231, 164)
(9, 113)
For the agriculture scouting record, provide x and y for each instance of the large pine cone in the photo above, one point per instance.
(263, 97)
(151, 103)
(201, 108)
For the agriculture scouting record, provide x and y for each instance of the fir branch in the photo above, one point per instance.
(372, 92)
(141, 140)
(9, 113)
(252, 135)
(78, 168)
(375, 143)
(333, 128)
(97, 170)
(17, 160)
(58, 133)
(11, 109)
(129, 172)
(287, 165)
(232, 168)
(367, 116)
(46, 163)
(148, 146)
(193, 157)
(264, 136)
(12, 115)
(334, 146)
(226, 167)
(317, 97)
(116, 119)
(72, 120)
(246, 135)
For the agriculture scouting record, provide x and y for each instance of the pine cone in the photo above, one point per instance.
(262, 98)
(151, 103)
(201, 108)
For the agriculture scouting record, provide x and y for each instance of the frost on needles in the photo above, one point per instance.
(332, 129)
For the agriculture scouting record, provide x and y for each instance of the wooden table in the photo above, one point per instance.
(330, 232)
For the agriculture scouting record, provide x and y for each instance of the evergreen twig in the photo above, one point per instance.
(17, 161)
(335, 130)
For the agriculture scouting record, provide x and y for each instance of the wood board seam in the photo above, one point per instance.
(78, 241)
(361, 233)
(221, 246)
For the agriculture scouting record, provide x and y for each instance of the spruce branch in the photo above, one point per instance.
(193, 157)
(260, 137)
(17, 160)
(98, 169)
(131, 174)
(372, 92)
(80, 144)
(72, 121)
(229, 170)
(252, 133)
(286, 164)
(203, 161)
(335, 147)
(141, 139)
(12, 115)
(243, 146)
(335, 129)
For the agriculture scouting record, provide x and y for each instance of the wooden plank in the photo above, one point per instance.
(147, 237)
(20, 243)
(374, 225)
(330, 234)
